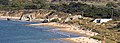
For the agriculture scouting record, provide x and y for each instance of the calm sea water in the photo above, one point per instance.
(15, 32)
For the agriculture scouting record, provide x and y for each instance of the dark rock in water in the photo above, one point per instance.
(8, 19)
(118, 31)
(45, 21)
(118, 42)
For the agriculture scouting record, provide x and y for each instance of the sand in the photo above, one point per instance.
(81, 40)
(72, 29)
(66, 28)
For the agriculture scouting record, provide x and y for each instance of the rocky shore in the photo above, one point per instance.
(66, 28)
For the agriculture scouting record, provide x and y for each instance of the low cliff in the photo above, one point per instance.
(35, 14)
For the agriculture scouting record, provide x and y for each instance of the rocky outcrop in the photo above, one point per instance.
(33, 14)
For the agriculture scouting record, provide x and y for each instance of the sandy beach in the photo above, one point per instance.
(66, 28)
(81, 40)
(72, 29)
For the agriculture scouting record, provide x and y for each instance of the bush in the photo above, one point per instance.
(109, 41)
(54, 20)
(97, 37)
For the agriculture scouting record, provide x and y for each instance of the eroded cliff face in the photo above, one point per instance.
(19, 13)
(35, 14)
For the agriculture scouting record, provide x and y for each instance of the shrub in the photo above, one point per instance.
(54, 20)
(97, 37)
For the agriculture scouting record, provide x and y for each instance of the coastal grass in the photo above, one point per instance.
(111, 36)
(97, 37)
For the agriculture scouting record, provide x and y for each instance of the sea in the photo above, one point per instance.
(16, 32)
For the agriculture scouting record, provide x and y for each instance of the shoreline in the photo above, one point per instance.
(71, 29)
(64, 28)
(15, 18)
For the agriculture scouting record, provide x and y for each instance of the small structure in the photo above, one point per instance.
(101, 20)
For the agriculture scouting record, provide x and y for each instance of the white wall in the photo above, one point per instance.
(102, 20)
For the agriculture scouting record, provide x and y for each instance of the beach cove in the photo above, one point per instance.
(60, 31)
(16, 32)
(84, 38)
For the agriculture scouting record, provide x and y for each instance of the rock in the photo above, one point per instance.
(45, 21)
(8, 19)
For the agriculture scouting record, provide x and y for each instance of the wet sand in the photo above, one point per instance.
(66, 28)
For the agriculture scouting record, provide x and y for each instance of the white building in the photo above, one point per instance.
(101, 20)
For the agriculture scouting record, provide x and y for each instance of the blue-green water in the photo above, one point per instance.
(15, 32)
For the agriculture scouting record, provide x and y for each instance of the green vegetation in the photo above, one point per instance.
(21, 4)
(87, 10)
(107, 31)
(79, 8)
(54, 20)
(111, 35)
(97, 37)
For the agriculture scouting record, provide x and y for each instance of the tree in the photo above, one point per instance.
(54, 20)
(4, 2)
(111, 4)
